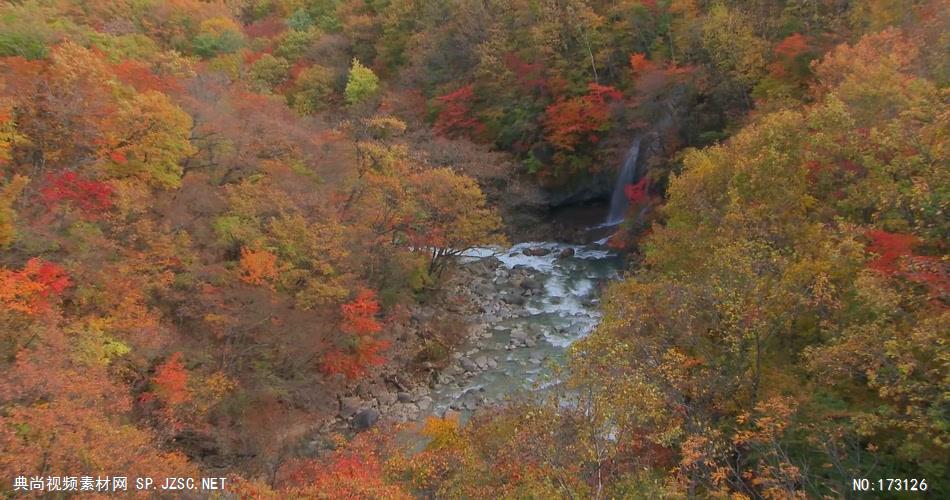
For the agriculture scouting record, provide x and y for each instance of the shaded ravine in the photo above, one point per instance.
(537, 299)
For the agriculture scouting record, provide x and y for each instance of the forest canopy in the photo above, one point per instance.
(219, 219)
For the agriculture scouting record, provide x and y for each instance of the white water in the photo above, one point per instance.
(564, 312)
(627, 175)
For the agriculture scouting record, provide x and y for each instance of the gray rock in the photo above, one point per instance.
(565, 253)
(404, 397)
(349, 406)
(420, 391)
(424, 403)
(519, 335)
(423, 314)
(515, 300)
(531, 284)
(386, 398)
(536, 251)
(480, 268)
(366, 419)
(468, 365)
(482, 362)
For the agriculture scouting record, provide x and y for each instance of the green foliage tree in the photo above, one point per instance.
(217, 36)
(361, 84)
(295, 43)
(313, 90)
(269, 72)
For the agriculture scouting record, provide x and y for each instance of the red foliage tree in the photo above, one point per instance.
(354, 471)
(637, 193)
(895, 258)
(786, 54)
(890, 248)
(529, 75)
(791, 46)
(362, 349)
(140, 76)
(359, 316)
(90, 197)
(455, 118)
(265, 28)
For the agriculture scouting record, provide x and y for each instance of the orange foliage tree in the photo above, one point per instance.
(258, 267)
(568, 123)
(30, 290)
(171, 381)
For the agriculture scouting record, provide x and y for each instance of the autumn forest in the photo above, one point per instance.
(360, 249)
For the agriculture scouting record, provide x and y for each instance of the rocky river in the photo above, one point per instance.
(536, 299)
(528, 304)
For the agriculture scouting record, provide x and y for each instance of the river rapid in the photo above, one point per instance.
(535, 300)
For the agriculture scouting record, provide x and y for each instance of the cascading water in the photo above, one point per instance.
(627, 175)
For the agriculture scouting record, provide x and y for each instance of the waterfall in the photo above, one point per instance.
(627, 175)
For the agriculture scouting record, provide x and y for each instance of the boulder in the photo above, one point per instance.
(536, 251)
(424, 403)
(468, 365)
(566, 253)
(404, 397)
(515, 300)
(366, 419)
(349, 406)
(531, 284)
(519, 335)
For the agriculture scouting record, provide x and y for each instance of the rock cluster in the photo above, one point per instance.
(377, 401)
